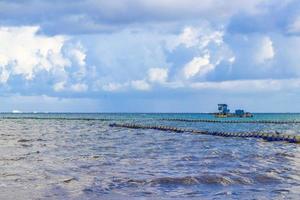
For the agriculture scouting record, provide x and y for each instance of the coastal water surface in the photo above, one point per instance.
(79, 156)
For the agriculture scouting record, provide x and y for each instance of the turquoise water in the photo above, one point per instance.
(78, 156)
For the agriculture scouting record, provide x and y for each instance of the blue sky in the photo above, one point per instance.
(149, 55)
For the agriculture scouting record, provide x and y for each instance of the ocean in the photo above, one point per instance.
(79, 156)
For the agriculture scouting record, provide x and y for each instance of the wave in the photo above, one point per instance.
(207, 179)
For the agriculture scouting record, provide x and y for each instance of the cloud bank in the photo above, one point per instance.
(151, 50)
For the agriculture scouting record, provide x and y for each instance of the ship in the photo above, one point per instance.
(224, 112)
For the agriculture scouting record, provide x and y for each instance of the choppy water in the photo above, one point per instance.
(49, 156)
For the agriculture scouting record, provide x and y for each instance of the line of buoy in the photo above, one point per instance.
(61, 118)
(265, 136)
(232, 121)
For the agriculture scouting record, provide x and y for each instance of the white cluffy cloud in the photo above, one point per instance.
(200, 38)
(140, 85)
(60, 86)
(294, 27)
(209, 50)
(79, 87)
(250, 85)
(159, 75)
(23, 52)
(26, 53)
(266, 51)
(155, 75)
(198, 66)
(63, 86)
(111, 87)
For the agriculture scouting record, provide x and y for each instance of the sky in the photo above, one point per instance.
(149, 55)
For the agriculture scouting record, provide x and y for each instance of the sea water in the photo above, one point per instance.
(79, 156)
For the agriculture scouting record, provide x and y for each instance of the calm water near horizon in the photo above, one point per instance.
(66, 156)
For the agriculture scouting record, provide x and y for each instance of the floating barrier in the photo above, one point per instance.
(266, 136)
(163, 119)
(60, 118)
(233, 121)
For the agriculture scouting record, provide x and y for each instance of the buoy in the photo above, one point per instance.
(232, 121)
(259, 135)
(292, 139)
(297, 139)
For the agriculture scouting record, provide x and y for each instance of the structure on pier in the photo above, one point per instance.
(225, 112)
(223, 109)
